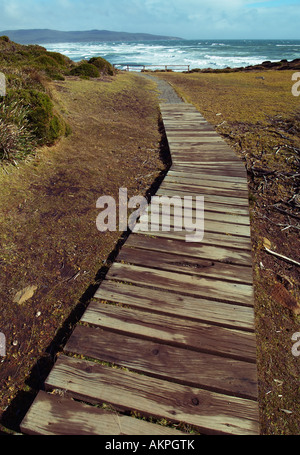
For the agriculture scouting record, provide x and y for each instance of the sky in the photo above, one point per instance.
(188, 19)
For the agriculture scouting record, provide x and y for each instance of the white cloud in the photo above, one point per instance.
(186, 18)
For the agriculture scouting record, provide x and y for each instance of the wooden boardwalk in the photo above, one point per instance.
(174, 320)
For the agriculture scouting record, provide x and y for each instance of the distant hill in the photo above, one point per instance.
(42, 36)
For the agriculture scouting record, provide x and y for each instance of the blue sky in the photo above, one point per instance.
(190, 19)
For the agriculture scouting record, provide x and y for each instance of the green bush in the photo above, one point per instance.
(16, 137)
(103, 65)
(27, 115)
(60, 59)
(85, 69)
(46, 61)
(45, 123)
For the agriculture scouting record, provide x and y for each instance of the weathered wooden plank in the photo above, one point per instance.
(186, 264)
(216, 207)
(183, 119)
(204, 144)
(210, 412)
(211, 215)
(219, 171)
(231, 169)
(212, 212)
(157, 222)
(205, 189)
(226, 168)
(188, 127)
(186, 307)
(183, 109)
(186, 284)
(164, 106)
(172, 117)
(196, 158)
(204, 149)
(173, 331)
(55, 415)
(208, 196)
(163, 241)
(182, 172)
(176, 133)
(214, 239)
(200, 154)
(207, 180)
(224, 165)
(204, 181)
(196, 139)
(183, 115)
(186, 120)
(217, 240)
(235, 377)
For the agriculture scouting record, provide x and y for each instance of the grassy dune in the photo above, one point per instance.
(260, 118)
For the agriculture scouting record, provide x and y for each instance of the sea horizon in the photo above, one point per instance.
(199, 53)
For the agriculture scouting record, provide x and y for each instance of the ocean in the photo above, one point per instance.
(201, 54)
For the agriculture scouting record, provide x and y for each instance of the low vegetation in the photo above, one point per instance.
(103, 65)
(28, 116)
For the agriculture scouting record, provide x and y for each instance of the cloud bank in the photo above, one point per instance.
(189, 19)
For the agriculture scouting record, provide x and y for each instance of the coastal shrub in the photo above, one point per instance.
(14, 80)
(45, 123)
(5, 38)
(103, 65)
(57, 129)
(52, 64)
(85, 69)
(17, 139)
(17, 54)
(45, 61)
(60, 58)
(32, 78)
(28, 118)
